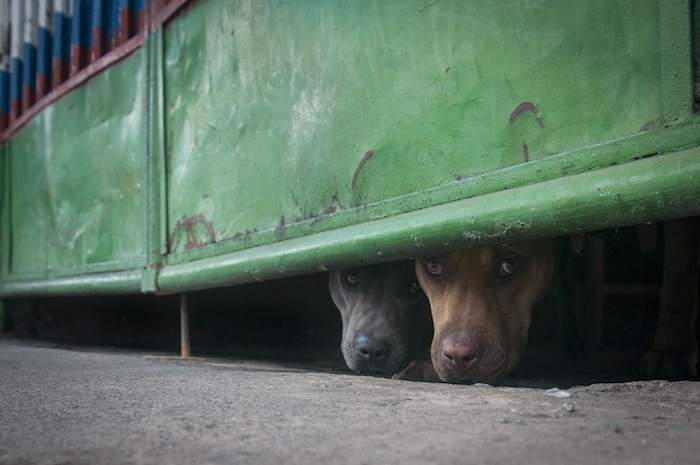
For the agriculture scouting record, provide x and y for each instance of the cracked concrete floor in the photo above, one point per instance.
(66, 406)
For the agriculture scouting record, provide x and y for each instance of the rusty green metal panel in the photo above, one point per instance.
(288, 118)
(253, 139)
(77, 173)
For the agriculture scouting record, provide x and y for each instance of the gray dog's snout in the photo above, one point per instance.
(372, 353)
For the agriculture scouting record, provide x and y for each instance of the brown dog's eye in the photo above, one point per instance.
(508, 267)
(434, 267)
(351, 279)
(414, 288)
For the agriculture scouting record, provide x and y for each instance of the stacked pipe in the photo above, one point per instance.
(45, 42)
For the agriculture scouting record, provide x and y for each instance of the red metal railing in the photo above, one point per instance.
(49, 47)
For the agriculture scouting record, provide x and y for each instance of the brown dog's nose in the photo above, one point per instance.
(460, 356)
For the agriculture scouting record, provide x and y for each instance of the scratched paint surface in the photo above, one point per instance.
(279, 112)
(77, 177)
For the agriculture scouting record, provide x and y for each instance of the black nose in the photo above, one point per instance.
(372, 352)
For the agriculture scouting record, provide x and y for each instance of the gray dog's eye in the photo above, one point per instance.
(351, 279)
(414, 288)
(508, 267)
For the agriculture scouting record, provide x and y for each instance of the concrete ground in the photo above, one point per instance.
(64, 406)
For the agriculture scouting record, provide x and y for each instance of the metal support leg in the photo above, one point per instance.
(184, 327)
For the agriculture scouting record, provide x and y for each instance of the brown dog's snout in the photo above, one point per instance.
(460, 356)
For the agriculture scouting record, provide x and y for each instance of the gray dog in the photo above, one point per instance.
(386, 316)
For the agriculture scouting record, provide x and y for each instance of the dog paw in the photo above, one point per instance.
(418, 370)
(669, 364)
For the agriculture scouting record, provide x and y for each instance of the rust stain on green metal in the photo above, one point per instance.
(191, 232)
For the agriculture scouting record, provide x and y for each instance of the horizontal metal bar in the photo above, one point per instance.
(120, 282)
(650, 189)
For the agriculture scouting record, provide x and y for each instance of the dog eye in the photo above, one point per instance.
(508, 267)
(414, 288)
(434, 267)
(351, 279)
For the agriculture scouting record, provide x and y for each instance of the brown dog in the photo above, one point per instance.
(674, 353)
(481, 301)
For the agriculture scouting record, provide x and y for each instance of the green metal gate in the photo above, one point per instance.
(246, 140)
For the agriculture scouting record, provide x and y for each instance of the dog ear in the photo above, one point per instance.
(577, 241)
